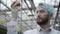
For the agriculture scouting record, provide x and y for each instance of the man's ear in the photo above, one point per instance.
(49, 16)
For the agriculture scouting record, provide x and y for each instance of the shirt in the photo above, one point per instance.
(38, 30)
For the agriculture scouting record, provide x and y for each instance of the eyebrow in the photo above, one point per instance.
(42, 10)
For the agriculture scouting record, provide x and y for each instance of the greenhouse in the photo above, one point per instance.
(25, 16)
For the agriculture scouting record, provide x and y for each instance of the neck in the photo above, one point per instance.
(46, 26)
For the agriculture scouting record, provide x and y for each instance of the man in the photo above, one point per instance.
(43, 14)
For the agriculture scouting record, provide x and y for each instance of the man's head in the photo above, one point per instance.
(43, 13)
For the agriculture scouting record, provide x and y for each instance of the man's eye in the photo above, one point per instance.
(37, 12)
(42, 11)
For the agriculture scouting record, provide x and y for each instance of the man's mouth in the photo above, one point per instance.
(39, 19)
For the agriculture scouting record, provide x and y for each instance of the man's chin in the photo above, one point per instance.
(41, 23)
(39, 20)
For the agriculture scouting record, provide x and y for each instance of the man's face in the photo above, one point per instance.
(42, 16)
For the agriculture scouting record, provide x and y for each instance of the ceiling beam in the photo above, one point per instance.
(5, 5)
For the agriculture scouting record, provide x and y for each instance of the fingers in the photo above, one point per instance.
(16, 4)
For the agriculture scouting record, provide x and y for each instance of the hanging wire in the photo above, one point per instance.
(0, 4)
(21, 17)
(57, 14)
(29, 9)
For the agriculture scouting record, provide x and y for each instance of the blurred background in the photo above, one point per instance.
(26, 19)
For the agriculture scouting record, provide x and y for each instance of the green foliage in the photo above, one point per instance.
(3, 29)
(3, 22)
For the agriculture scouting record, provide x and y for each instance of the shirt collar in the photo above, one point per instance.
(40, 29)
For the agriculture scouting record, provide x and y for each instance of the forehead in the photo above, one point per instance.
(41, 9)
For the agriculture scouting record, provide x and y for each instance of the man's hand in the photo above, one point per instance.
(14, 8)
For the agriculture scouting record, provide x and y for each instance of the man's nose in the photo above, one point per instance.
(38, 15)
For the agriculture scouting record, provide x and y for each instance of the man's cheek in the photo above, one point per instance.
(44, 16)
